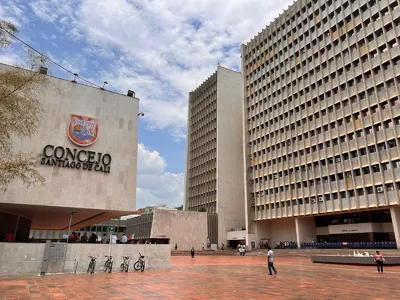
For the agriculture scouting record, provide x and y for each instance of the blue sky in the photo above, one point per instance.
(159, 48)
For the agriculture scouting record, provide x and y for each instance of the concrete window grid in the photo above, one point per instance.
(202, 146)
(387, 39)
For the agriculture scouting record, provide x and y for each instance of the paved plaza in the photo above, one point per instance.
(214, 277)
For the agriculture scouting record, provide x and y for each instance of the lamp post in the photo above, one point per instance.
(69, 230)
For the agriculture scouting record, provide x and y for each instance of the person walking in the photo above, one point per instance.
(271, 261)
(379, 259)
(192, 252)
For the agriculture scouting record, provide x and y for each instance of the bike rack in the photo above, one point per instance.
(76, 262)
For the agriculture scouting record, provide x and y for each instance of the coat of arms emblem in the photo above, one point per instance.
(82, 130)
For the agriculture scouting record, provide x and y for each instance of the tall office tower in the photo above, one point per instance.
(214, 153)
(322, 123)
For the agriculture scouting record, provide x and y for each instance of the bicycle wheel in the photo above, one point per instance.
(93, 267)
(122, 267)
(136, 266)
(142, 266)
(89, 270)
(106, 266)
(110, 267)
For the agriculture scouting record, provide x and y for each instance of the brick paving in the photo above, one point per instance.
(215, 277)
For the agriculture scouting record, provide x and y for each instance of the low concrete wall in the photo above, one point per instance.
(352, 260)
(185, 228)
(19, 258)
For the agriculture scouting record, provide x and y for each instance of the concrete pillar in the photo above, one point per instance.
(305, 229)
(395, 214)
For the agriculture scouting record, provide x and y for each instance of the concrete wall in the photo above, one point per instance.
(140, 226)
(18, 258)
(230, 191)
(283, 230)
(395, 215)
(276, 230)
(65, 187)
(305, 230)
(21, 258)
(187, 229)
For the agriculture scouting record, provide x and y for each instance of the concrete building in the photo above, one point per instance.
(322, 123)
(87, 152)
(214, 172)
(186, 229)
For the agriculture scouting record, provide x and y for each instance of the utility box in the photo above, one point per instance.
(53, 258)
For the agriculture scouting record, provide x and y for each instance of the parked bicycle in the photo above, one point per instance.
(108, 264)
(125, 265)
(92, 264)
(140, 264)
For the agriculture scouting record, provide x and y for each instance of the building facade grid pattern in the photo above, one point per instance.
(202, 147)
(323, 109)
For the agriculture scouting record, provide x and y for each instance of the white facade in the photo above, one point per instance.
(95, 195)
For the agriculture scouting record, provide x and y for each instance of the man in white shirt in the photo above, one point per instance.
(271, 261)
(124, 239)
(113, 239)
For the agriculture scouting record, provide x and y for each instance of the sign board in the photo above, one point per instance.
(350, 228)
(111, 229)
(65, 236)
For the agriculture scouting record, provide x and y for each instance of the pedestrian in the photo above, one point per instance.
(192, 252)
(73, 238)
(379, 259)
(176, 246)
(124, 239)
(271, 261)
(104, 239)
(222, 246)
(93, 238)
(9, 236)
(85, 238)
(114, 239)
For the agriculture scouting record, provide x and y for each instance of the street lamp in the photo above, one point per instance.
(70, 222)
(69, 230)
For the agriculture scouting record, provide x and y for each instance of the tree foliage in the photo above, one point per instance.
(20, 115)
(4, 38)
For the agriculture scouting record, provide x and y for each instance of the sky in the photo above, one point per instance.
(161, 49)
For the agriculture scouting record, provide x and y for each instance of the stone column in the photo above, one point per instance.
(305, 229)
(395, 214)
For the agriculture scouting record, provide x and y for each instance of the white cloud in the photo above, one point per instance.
(160, 48)
(154, 184)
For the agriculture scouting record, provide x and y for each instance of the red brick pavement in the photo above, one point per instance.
(215, 277)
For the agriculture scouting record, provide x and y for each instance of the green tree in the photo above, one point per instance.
(20, 114)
